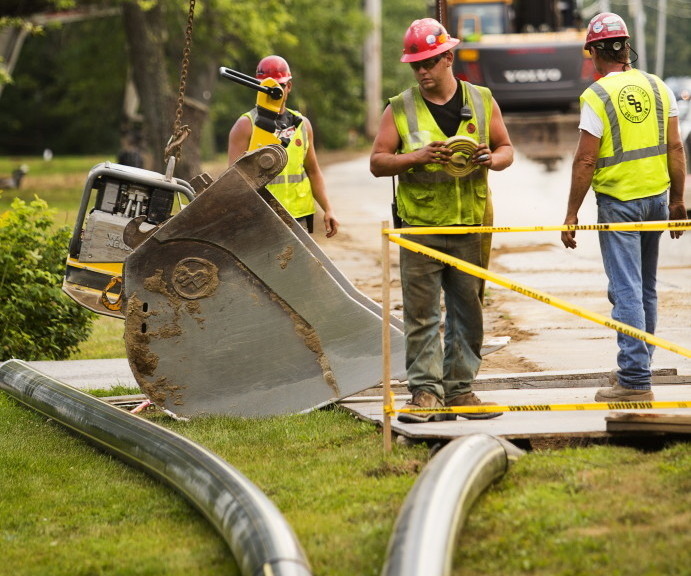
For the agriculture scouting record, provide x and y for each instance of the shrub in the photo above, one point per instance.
(37, 320)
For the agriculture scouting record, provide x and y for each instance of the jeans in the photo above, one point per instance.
(449, 371)
(630, 261)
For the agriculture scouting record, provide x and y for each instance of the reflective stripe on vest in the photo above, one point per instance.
(619, 154)
(632, 160)
(475, 97)
(289, 179)
(428, 195)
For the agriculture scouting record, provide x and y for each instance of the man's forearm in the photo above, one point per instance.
(676, 165)
(581, 178)
(502, 157)
(385, 164)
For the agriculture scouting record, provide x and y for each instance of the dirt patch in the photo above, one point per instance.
(408, 468)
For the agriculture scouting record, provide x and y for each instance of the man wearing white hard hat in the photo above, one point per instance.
(630, 152)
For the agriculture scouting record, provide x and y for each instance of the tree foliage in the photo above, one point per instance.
(69, 83)
(325, 55)
(67, 91)
(396, 18)
(37, 320)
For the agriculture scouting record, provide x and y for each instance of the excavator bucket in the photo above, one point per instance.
(232, 309)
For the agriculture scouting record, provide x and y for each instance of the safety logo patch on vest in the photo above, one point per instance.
(634, 103)
(286, 133)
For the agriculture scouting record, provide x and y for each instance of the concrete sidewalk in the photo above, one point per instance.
(89, 374)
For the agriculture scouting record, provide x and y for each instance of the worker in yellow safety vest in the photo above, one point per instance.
(301, 182)
(440, 138)
(630, 152)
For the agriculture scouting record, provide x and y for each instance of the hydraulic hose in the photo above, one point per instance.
(461, 163)
(433, 513)
(260, 539)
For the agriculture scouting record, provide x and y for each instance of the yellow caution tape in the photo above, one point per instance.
(548, 407)
(389, 407)
(613, 226)
(261, 137)
(542, 296)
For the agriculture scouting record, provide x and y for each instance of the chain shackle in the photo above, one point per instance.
(180, 132)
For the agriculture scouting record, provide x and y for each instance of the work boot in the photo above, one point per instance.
(619, 393)
(422, 399)
(469, 399)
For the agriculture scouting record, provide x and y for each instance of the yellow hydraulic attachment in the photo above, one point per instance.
(270, 101)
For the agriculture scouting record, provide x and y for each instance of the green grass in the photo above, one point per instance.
(68, 508)
(59, 182)
(584, 511)
(106, 340)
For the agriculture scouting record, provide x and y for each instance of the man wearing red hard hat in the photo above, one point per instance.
(440, 138)
(630, 152)
(301, 182)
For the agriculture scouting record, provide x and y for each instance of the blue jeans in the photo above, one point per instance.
(630, 260)
(449, 371)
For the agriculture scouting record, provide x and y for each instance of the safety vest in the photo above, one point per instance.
(427, 195)
(632, 161)
(292, 186)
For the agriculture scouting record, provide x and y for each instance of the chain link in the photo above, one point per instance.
(181, 132)
(441, 12)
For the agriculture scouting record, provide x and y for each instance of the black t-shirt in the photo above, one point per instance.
(448, 115)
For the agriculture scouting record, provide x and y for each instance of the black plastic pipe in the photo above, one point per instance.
(435, 509)
(260, 539)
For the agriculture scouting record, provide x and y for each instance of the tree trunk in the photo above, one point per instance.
(201, 81)
(145, 32)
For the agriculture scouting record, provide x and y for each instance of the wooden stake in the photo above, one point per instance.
(386, 333)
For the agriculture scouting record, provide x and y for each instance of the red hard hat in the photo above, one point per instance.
(273, 67)
(426, 38)
(605, 26)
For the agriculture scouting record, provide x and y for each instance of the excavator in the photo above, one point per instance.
(229, 306)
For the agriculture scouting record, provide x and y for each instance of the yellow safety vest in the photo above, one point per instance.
(292, 186)
(632, 161)
(427, 195)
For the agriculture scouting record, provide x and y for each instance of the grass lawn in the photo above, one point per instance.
(67, 508)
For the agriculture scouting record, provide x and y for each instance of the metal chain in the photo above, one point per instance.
(441, 12)
(180, 132)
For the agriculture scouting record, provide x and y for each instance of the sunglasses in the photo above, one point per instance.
(427, 64)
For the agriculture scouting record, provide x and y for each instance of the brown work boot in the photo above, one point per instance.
(619, 393)
(422, 399)
(469, 399)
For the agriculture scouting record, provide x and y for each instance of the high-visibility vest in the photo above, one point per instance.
(427, 195)
(292, 187)
(632, 160)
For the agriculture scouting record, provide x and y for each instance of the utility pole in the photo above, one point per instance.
(372, 65)
(638, 14)
(661, 40)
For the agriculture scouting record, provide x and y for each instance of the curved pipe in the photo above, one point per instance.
(437, 506)
(258, 536)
